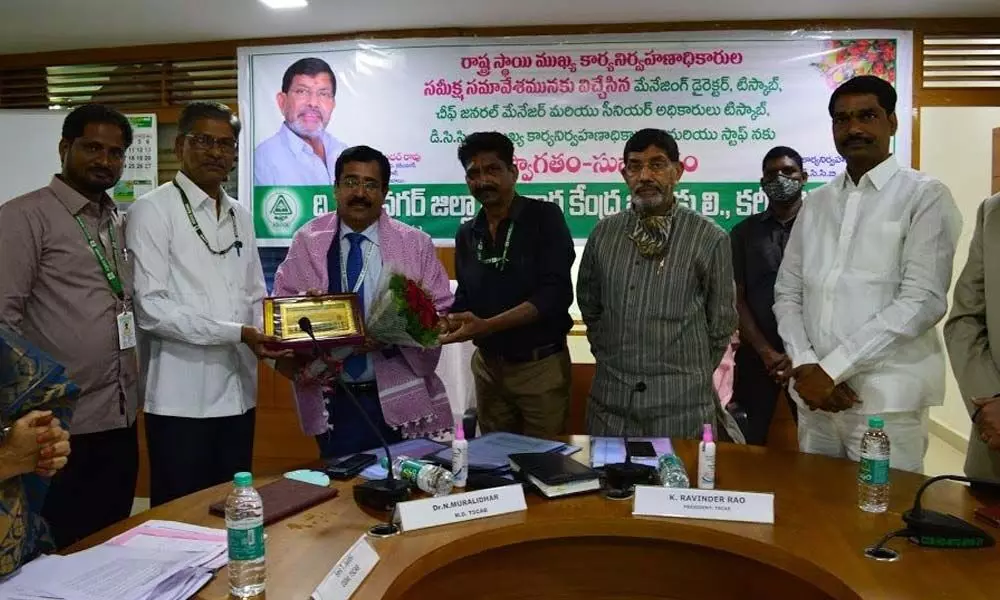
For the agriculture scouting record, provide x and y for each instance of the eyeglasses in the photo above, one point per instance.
(307, 93)
(353, 183)
(655, 167)
(201, 141)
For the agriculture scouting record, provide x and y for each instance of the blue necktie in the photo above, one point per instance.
(355, 366)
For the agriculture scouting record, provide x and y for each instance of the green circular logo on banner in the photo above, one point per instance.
(281, 211)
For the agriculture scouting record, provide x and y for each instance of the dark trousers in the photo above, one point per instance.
(756, 393)
(189, 455)
(97, 486)
(351, 433)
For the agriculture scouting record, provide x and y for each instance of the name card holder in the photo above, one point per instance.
(444, 510)
(716, 505)
(346, 576)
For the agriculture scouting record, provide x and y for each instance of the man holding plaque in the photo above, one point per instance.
(513, 266)
(199, 290)
(352, 251)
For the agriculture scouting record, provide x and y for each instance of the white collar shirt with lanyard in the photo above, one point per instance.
(371, 272)
(192, 303)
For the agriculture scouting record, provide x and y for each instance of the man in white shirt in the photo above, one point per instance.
(302, 152)
(863, 282)
(199, 289)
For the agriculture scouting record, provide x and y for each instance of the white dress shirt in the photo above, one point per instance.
(864, 280)
(191, 305)
(371, 268)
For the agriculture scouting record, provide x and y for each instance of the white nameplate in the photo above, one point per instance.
(719, 505)
(431, 512)
(345, 577)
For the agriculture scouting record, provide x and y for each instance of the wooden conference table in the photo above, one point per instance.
(591, 547)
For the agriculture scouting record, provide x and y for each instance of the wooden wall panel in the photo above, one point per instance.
(447, 257)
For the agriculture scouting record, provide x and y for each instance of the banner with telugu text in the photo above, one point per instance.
(569, 104)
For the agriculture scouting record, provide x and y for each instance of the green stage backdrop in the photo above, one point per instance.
(569, 104)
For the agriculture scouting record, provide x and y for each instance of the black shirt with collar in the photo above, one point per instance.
(539, 260)
(758, 247)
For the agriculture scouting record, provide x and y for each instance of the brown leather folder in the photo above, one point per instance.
(284, 498)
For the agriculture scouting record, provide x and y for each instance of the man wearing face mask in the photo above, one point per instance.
(762, 368)
(864, 281)
(513, 265)
(656, 293)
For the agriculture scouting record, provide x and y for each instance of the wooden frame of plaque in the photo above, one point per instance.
(337, 320)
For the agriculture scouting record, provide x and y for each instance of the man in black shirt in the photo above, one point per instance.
(513, 262)
(762, 368)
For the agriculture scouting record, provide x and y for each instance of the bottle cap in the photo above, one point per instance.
(459, 431)
(876, 422)
(384, 462)
(243, 479)
(706, 434)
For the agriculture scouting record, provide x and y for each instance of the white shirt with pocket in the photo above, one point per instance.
(864, 280)
(191, 305)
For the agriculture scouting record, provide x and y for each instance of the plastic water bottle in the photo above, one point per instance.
(673, 473)
(245, 529)
(428, 477)
(873, 471)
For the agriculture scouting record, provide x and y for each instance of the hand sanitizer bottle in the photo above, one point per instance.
(706, 459)
(460, 457)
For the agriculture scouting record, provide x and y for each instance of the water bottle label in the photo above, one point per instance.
(246, 540)
(874, 471)
(410, 469)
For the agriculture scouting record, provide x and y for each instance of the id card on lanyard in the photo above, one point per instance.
(125, 321)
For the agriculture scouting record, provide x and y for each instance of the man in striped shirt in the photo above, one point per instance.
(657, 295)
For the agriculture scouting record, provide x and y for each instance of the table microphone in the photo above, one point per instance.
(378, 494)
(621, 478)
(933, 529)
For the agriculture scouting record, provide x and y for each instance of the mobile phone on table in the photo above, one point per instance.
(346, 468)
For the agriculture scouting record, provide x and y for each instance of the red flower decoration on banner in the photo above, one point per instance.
(845, 59)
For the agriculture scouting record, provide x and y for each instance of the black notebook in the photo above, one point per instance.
(554, 474)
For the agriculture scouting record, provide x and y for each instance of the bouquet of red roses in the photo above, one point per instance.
(402, 313)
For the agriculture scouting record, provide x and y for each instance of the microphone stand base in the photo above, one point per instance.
(381, 494)
(621, 479)
(627, 494)
(384, 530)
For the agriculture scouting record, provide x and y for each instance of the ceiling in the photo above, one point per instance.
(42, 25)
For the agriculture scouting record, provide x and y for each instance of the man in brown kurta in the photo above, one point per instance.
(68, 297)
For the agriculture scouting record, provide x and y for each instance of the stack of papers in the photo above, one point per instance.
(159, 560)
(492, 451)
(486, 453)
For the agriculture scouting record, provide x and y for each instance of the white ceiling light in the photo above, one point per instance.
(282, 4)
